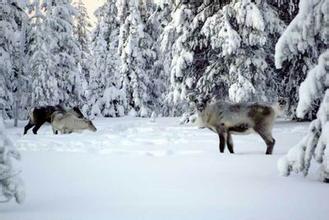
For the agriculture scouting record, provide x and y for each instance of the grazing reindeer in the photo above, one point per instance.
(39, 115)
(68, 122)
(226, 119)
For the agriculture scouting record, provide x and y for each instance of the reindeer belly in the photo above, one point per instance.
(241, 129)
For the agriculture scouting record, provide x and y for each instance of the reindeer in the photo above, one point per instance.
(68, 122)
(226, 118)
(39, 115)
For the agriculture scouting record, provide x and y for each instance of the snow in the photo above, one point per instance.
(132, 168)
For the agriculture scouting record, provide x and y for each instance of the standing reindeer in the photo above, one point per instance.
(226, 119)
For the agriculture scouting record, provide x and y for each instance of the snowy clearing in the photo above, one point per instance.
(132, 168)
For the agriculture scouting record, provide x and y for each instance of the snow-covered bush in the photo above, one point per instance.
(11, 186)
(315, 144)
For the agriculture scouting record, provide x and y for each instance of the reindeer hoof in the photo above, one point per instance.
(269, 150)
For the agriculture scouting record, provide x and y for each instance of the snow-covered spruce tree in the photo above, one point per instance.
(178, 55)
(11, 186)
(222, 47)
(299, 47)
(40, 61)
(155, 25)
(13, 22)
(242, 34)
(160, 31)
(137, 57)
(106, 98)
(81, 32)
(65, 52)
(316, 143)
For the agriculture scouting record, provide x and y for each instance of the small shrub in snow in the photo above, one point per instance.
(10, 184)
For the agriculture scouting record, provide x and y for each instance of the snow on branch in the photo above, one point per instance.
(314, 145)
(314, 86)
(311, 23)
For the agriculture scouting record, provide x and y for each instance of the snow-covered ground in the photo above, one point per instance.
(132, 168)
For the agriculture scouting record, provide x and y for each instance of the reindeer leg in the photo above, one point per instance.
(270, 146)
(36, 128)
(54, 130)
(28, 127)
(222, 142)
(268, 139)
(230, 143)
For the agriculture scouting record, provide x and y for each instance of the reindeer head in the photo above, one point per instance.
(200, 100)
(91, 126)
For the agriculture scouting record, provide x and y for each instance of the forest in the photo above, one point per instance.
(143, 56)
(136, 70)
